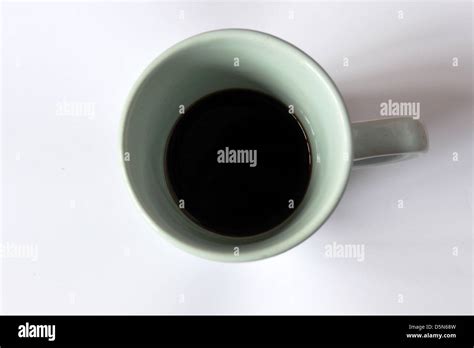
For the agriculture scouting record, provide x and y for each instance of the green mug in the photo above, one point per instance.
(236, 58)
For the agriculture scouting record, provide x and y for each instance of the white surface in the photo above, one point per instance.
(62, 189)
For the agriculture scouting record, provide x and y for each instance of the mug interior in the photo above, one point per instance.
(219, 60)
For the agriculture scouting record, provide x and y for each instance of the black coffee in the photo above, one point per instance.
(238, 162)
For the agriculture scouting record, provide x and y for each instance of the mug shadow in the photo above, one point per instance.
(444, 93)
(443, 104)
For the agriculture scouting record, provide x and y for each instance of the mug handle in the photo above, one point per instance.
(389, 140)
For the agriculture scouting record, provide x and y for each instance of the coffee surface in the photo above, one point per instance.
(238, 162)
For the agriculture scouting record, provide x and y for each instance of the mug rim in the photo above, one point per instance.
(209, 35)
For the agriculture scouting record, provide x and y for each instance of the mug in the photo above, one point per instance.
(237, 58)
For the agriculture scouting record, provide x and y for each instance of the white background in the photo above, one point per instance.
(63, 191)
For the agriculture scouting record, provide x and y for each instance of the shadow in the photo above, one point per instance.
(445, 96)
(444, 91)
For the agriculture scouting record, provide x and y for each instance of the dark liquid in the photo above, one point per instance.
(246, 198)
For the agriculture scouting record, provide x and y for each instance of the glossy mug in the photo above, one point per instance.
(206, 63)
